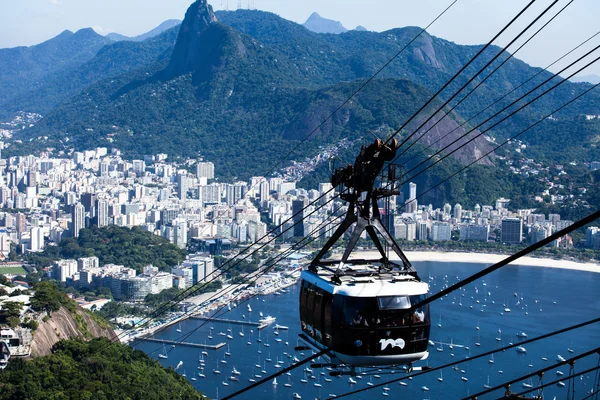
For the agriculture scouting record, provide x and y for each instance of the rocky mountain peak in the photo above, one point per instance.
(318, 24)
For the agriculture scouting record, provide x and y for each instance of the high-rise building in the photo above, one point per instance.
(180, 232)
(77, 219)
(298, 217)
(441, 231)
(64, 269)
(512, 230)
(20, 222)
(102, 212)
(457, 212)
(183, 185)
(205, 170)
(37, 239)
(422, 231)
(474, 232)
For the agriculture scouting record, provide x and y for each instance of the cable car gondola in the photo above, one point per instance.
(362, 311)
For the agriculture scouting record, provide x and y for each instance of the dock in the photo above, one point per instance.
(188, 344)
(258, 325)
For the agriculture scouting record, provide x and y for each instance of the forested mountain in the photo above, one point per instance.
(238, 87)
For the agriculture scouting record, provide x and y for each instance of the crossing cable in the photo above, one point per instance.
(464, 67)
(570, 361)
(422, 151)
(355, 93)
(576, 225)
(487, 353)
(275, 375)
(597, 368)
(481, 82)
(504, 118)
(292, 249)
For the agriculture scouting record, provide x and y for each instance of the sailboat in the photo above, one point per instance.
(441, 377)
(440, 322)
(164, 353)
(178, 328)
(227, 353)
(242, 332)
(274, 381)
(491, 360)
(487, 385)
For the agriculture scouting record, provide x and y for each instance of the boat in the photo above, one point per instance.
(229, 337)
(224, 383)
(424, 388)
(559, 373)
(441, 377)
(521, 349)
(178, 328)
(560, 384)
(560, 358)
(280, 327)
(235, 371)
(267, 320)
(164, 353)
(351, 381)
(521, 334)
(201, 375)
(491, 360)
(440, 322)
(274, 381)
(487, 385)
(527, 384)
(296, 396)
(464, 378)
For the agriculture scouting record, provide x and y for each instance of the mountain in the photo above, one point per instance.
(166, 25)
(318, 24)
(593, 79)
(26, 69)
(45, 83)
(360, 28)
(238, 87)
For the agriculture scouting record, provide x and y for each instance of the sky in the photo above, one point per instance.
(28, 22)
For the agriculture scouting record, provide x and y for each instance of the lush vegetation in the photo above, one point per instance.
(112, 244)
(94, 370)
(49, 298)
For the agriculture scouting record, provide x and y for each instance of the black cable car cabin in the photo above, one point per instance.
(363, 311)
(364, 320)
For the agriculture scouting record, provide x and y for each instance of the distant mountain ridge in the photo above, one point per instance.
(593, 79)
(166, 25)
(318, 24)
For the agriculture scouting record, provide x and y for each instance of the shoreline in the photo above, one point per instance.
(488, 258)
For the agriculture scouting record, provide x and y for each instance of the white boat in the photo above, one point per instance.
(296, 396)
(559, 373)
(267, 320)
(224, 383)
(178, 328)
(521, 349)
(560, 358)
(229, 337)
(164, 353)
(527, 384)
(521, 334)
(201, 375)
(464, 378)
(235, 371)
(491, 360)
(351, 381)
(274, 381)
(280, 327)
(560, 384)
(441, 377)
(424, 388)
(487, 385)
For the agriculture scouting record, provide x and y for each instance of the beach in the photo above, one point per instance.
(485, 258)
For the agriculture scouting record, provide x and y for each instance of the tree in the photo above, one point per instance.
(46, 298)
(10, 310)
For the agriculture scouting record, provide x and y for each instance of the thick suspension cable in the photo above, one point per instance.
(485, 354)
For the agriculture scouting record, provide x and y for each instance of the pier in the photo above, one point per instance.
(197, 345)
(258, 325)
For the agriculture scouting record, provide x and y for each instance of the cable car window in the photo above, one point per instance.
(327, 306)
(317, 314)
(421, 314)
(359, 311)
(393, 302)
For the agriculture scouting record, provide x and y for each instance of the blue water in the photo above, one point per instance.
(552, 298)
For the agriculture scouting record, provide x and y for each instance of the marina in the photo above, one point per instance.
(254, 360)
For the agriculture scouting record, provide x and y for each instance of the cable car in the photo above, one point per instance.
(362, 311)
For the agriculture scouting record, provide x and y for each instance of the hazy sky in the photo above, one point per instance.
(27, 22)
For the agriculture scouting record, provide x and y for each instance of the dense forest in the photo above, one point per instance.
(94, 370)
(133, 248)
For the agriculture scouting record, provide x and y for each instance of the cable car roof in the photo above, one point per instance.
(365, 281)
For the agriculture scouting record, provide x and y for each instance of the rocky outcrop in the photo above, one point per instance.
(64, 325)
(318, 24)
(203, 45)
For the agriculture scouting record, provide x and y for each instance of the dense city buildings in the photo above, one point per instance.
(43, 200)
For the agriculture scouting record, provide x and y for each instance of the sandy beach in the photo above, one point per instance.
(488, 259)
